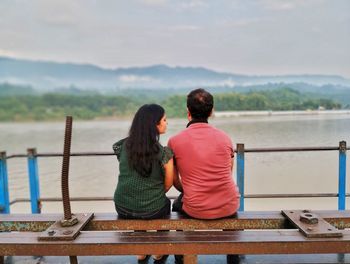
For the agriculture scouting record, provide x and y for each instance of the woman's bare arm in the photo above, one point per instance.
(169, 174)
(177, 180)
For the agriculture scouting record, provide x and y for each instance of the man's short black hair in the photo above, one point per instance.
(200, 103)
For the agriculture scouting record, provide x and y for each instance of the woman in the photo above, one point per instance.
(146, 168)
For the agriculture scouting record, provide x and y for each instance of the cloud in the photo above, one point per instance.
(247, 21)
(7, 53)
(58, 13)
(284, 5)
(135, 78)
(228, 82)
(193, 4)
(279, 5)
(184, 28)
(261, 36)
(154, 2)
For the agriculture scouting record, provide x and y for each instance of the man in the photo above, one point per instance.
(204, 162)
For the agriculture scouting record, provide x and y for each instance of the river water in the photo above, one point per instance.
(284, 172)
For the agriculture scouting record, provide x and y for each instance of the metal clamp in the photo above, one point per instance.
(58, 231)
(310, 224)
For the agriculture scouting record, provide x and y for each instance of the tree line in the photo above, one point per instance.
(55, 106)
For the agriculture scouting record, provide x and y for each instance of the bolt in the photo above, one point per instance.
(308, 218)
(67, 232)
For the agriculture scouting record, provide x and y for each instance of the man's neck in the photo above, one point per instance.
(197, 120)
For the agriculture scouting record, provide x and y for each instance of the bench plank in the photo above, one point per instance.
(110, 221)
(188, 243)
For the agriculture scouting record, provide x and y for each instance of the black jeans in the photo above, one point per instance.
(177, 207)
(130, 214)
(177, 204)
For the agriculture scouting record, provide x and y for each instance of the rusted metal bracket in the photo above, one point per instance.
(310, 224)
(59, 232)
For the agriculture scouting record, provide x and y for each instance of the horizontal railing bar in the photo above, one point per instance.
(291, 149)
(252, 196)
(299, 195)
(257, 150)
(55, 199)
(58, 199)
(73, 199)
(19, 200)
(17, 156)
(77, 154)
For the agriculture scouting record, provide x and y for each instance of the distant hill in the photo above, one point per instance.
(7, 89)
(48, 76)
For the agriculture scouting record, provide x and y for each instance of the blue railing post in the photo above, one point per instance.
(240, 174)
(34, 181)
(4, 187)
(342, 176)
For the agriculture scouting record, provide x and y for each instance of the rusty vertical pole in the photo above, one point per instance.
(65, 169)
(190, 259)
(73, 260)
(68, 219)
(70, 226)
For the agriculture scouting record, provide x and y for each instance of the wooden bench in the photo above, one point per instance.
(255, 233)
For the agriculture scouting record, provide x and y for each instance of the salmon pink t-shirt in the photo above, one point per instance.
(203, 157)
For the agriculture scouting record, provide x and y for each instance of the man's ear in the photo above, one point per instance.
(211, 113)
(189, 117)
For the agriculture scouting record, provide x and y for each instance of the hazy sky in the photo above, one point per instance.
(249, 37)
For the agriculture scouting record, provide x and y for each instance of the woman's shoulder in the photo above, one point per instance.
(117, 147)
(167, 154)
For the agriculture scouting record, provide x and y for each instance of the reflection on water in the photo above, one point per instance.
(295, 172)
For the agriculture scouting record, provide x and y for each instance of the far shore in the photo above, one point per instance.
(220, 114)
(280, 113)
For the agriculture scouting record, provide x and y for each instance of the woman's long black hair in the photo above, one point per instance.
(142, 144)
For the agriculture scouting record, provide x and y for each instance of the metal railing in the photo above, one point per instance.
(35, 199)
(341, 173)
